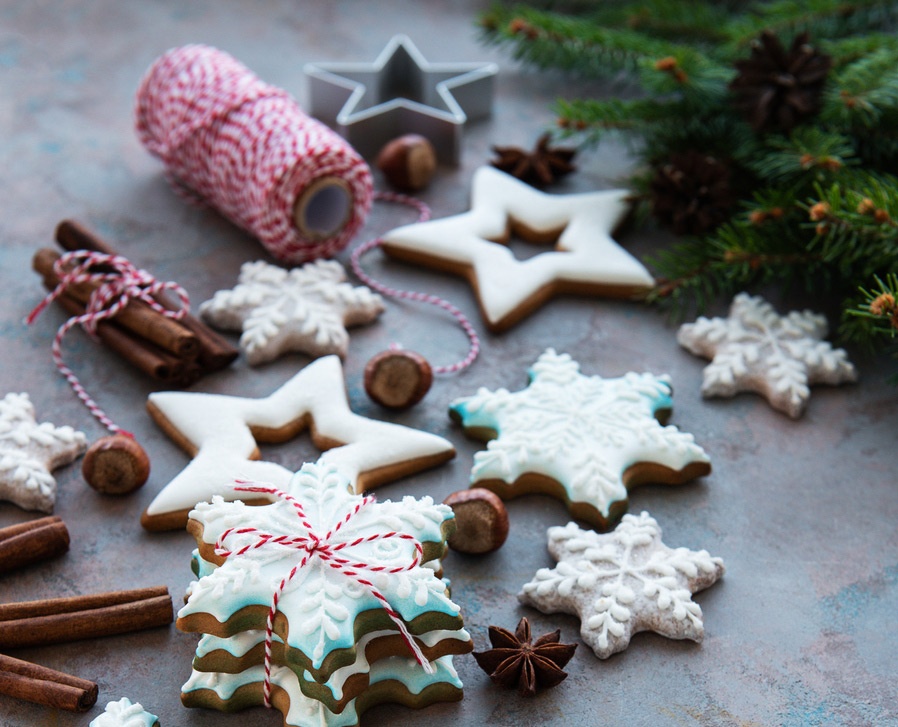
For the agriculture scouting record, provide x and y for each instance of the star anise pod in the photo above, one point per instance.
(691, 193)
(517, 661)
(776, 88)
(540, 167)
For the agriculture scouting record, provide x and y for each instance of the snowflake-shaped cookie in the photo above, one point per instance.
(306, 309)
(623, 582)
(29, 452)
(755, 349)
(124, 713)
(582, 438)
(321, 606)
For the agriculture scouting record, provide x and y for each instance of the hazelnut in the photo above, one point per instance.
(408, 162)
(398, 379)
(115, 465)
(481, 521)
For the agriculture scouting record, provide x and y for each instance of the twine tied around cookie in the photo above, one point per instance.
(327, 548)
(117, 282)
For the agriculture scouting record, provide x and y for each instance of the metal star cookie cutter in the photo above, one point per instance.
(401, 93)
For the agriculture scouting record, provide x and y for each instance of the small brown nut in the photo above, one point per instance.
(398, 379)
(115, 465)
(408, 162)
(481, 521)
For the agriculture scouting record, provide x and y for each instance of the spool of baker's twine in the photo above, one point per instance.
(247, 149)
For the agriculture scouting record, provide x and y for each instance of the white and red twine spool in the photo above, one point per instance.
(248, 150)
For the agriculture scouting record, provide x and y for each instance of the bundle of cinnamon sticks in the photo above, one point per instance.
(57, 620)
(176, 352)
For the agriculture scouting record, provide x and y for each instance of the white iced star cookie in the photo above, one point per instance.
(124, 713)
(305, 310)
(221, 433)
(29, 452)
(585, 259)
(755, 349)
(623, 582)
(583, 439)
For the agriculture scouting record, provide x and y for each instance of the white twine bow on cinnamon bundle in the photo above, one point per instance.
(116, 282)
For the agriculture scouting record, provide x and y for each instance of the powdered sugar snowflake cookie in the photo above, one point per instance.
(584, 439)
(623, 582)
(305, 310)
(124, 713)
(29, 452)
(582, 258)
(755, 349)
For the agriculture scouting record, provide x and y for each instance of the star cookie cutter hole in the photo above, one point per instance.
(401, 93)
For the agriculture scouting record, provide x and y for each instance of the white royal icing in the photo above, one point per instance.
(320, 603)
(240, 644)
(755, 349)
(623, 582)
(124, 713)
(29, 452)
(303, 711)
(306, 309)
(217, 427)
(584, 252)
(582, 431)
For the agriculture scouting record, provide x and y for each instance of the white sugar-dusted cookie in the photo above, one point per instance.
(623, 582)
(220, 433)
(755, 349)
(584, 258)
(125, 713)
(582, 438)
(305, 310)
(29, 452)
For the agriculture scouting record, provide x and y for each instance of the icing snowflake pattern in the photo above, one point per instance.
(305, 309)
(29, 452)
(583, 432)
(623, 582)
(124, 713)
(321, 603)
(755, 349)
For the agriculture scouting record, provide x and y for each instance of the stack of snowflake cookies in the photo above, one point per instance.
(321, 604)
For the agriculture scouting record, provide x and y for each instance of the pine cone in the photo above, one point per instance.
(691, 193)
(776, 89)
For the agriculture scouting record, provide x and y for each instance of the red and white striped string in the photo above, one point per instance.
(463, 321)
(325, 548)
(246, 148)
(117, 283)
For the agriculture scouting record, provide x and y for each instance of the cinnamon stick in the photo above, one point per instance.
(137, 317)
(42, 685)
(30, 542)
(141, 354)
(58, 620)
(215, 352)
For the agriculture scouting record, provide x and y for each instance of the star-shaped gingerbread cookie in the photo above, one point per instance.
(623, 582)
(584, 260)
(221, 433)
(29, 452)
(583, 439)
(755, 349)
(306, 309)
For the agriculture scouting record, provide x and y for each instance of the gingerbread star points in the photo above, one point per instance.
(585, 259)
(221, 433)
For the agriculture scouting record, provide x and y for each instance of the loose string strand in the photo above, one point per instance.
(461, 318)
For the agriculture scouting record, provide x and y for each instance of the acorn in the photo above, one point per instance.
(115, 465)
(408, 162)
